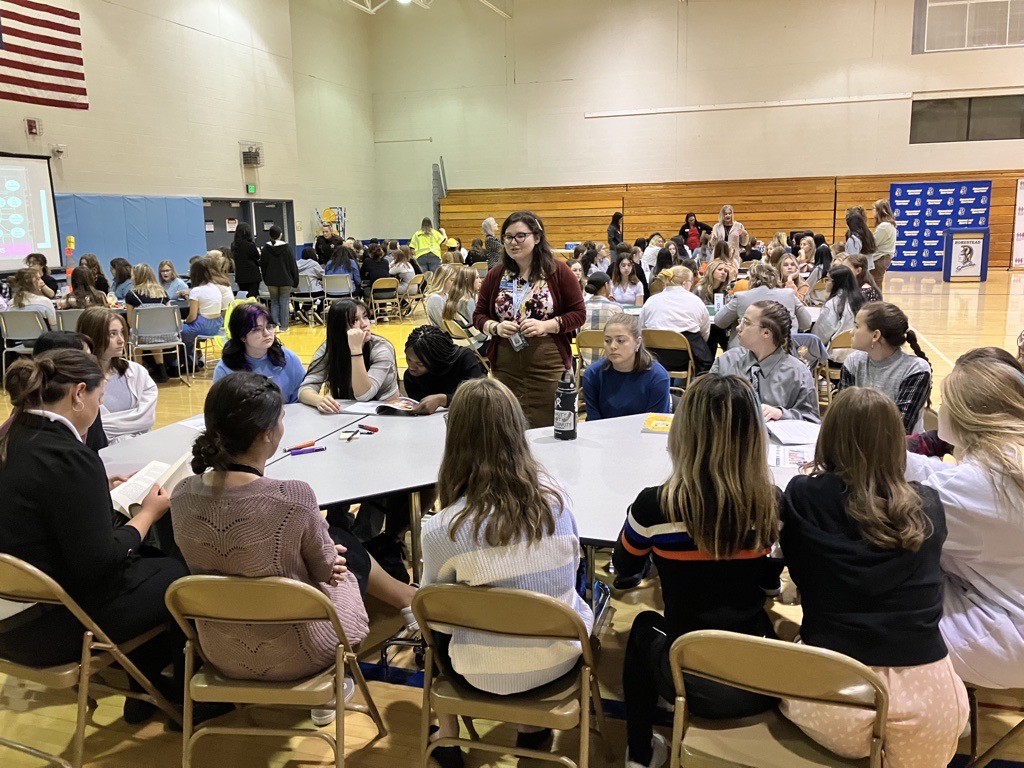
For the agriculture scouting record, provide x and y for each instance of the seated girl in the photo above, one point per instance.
(129, 400)
(782, 383)
(402, 269)
(121, 277)
(147, 291)
(84, 293)
(343, 262)
(858, 264)
(173, 285)
(503, 523)
(460, 303)
(789, 275)
(276, 530)
(863, 545)
(844, 302)
(205, 306)
(982, 416)
(436, 367)
(437, 293)
(253, 346)
(28, 294)
(626, 286)
(713, 289)
(56, 515)
(627, 380)
(352, 364)
(717, 535)
(878, 361)
(38, 261)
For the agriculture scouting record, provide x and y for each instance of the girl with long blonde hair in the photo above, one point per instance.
(460, 304)
(982, 417)
(436, 293)
(713, 522)
(863, 545)
(505, 523)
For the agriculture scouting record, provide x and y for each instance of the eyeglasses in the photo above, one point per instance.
(519, 237)
(264, 329)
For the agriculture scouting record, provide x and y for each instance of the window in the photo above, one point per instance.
(982, 118)
(955, 25)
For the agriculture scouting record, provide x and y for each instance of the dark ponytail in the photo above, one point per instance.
(239, 408)
(41, 381)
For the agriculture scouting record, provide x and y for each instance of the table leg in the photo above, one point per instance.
(415, 518)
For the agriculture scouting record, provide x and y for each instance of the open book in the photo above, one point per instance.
(399, 405)
(128, 496)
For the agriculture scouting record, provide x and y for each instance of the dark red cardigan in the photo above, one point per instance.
(566, 297)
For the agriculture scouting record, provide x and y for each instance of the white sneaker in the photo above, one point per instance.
(410, 620)
(659, 753)
(326, 716)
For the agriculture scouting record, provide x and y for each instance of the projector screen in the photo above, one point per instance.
(28, 222)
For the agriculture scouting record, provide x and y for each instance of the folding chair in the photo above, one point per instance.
(25, 583)
(208, 345)
(338, 286)
(773, 668)
(481, 267)
(67, 319)
(655, 340)
(305, 299)
(20, 328)
(384, 297)
(819, 292)
(272, 600)
(814, 354)
(158, 320)
(461, 338)
(414, 295)
(592, 342)
(562, 704)
(842, 340)
(748, 264)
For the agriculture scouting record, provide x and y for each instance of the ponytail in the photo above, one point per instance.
(239, 408)
(44, 380)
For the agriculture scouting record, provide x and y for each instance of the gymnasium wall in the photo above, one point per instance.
(505, 101)
(764, 206)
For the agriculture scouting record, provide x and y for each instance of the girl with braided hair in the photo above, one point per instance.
(436, 368)
(276, 530)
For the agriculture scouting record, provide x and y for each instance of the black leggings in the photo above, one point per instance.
(646, 675)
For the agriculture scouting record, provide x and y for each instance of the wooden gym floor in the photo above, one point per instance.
(950, 319)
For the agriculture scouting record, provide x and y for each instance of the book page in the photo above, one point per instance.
(794, 432)
(134, 490)
(364, 409)
(789, 455)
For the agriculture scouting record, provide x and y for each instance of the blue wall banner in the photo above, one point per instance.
(925, 210)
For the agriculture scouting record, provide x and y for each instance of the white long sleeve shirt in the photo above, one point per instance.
(676, 309)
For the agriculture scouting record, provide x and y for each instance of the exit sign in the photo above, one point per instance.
(250, 189)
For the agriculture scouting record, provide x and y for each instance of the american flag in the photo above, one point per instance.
(41, 54)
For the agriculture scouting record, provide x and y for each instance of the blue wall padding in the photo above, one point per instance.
(139, 228)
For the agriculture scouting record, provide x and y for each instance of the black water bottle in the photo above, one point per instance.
(565, 408)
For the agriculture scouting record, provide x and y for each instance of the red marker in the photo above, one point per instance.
(310, 444)
(369, 429)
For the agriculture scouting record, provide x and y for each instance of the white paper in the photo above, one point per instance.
(719, 301)
(366, 409)
(197, 423)
(789, 455)
(794, 431)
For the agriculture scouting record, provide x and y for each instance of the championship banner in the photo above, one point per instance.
(925, 210)
(1017, 258)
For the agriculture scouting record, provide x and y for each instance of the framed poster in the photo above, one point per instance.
(968, 255)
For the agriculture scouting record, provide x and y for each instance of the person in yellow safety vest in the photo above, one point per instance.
(426, 245)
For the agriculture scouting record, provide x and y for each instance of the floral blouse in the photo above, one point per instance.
(537, 302)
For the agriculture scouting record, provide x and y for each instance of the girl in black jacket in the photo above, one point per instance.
(246, 256)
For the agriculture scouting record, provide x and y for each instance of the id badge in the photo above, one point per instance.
(518, 341)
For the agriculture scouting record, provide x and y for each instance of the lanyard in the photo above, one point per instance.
(518, 297)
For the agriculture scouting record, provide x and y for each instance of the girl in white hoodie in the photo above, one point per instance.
(982, 416)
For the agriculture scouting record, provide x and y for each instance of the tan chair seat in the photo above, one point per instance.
(767, 739)
(556, 705)
(210, 685)
(59, 677)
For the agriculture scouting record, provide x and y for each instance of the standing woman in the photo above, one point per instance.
(531, 305)
(864, 545)
(628, 379)
(982, 416)
(503, 523)
(56, 515)
(129, 401)
(692, 230)
(281, 276)
(99, 279)
(253, 346)
(352, 364)
(426, 244)
(28, 294)
(727, 229)
(247, 260)
(615, 230)
(878, 360)
(717, 534)
(492, 245)
(859, 238)
(885, 240)
(626, 286)
(205, 306)
(121, 273)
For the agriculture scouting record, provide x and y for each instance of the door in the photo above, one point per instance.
(267, 213)
(221, 217)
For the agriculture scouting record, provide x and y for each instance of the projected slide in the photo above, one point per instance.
(28, 223)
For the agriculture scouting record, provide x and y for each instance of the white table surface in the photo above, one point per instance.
(606, 466)
(404, 455)
(301, 424)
